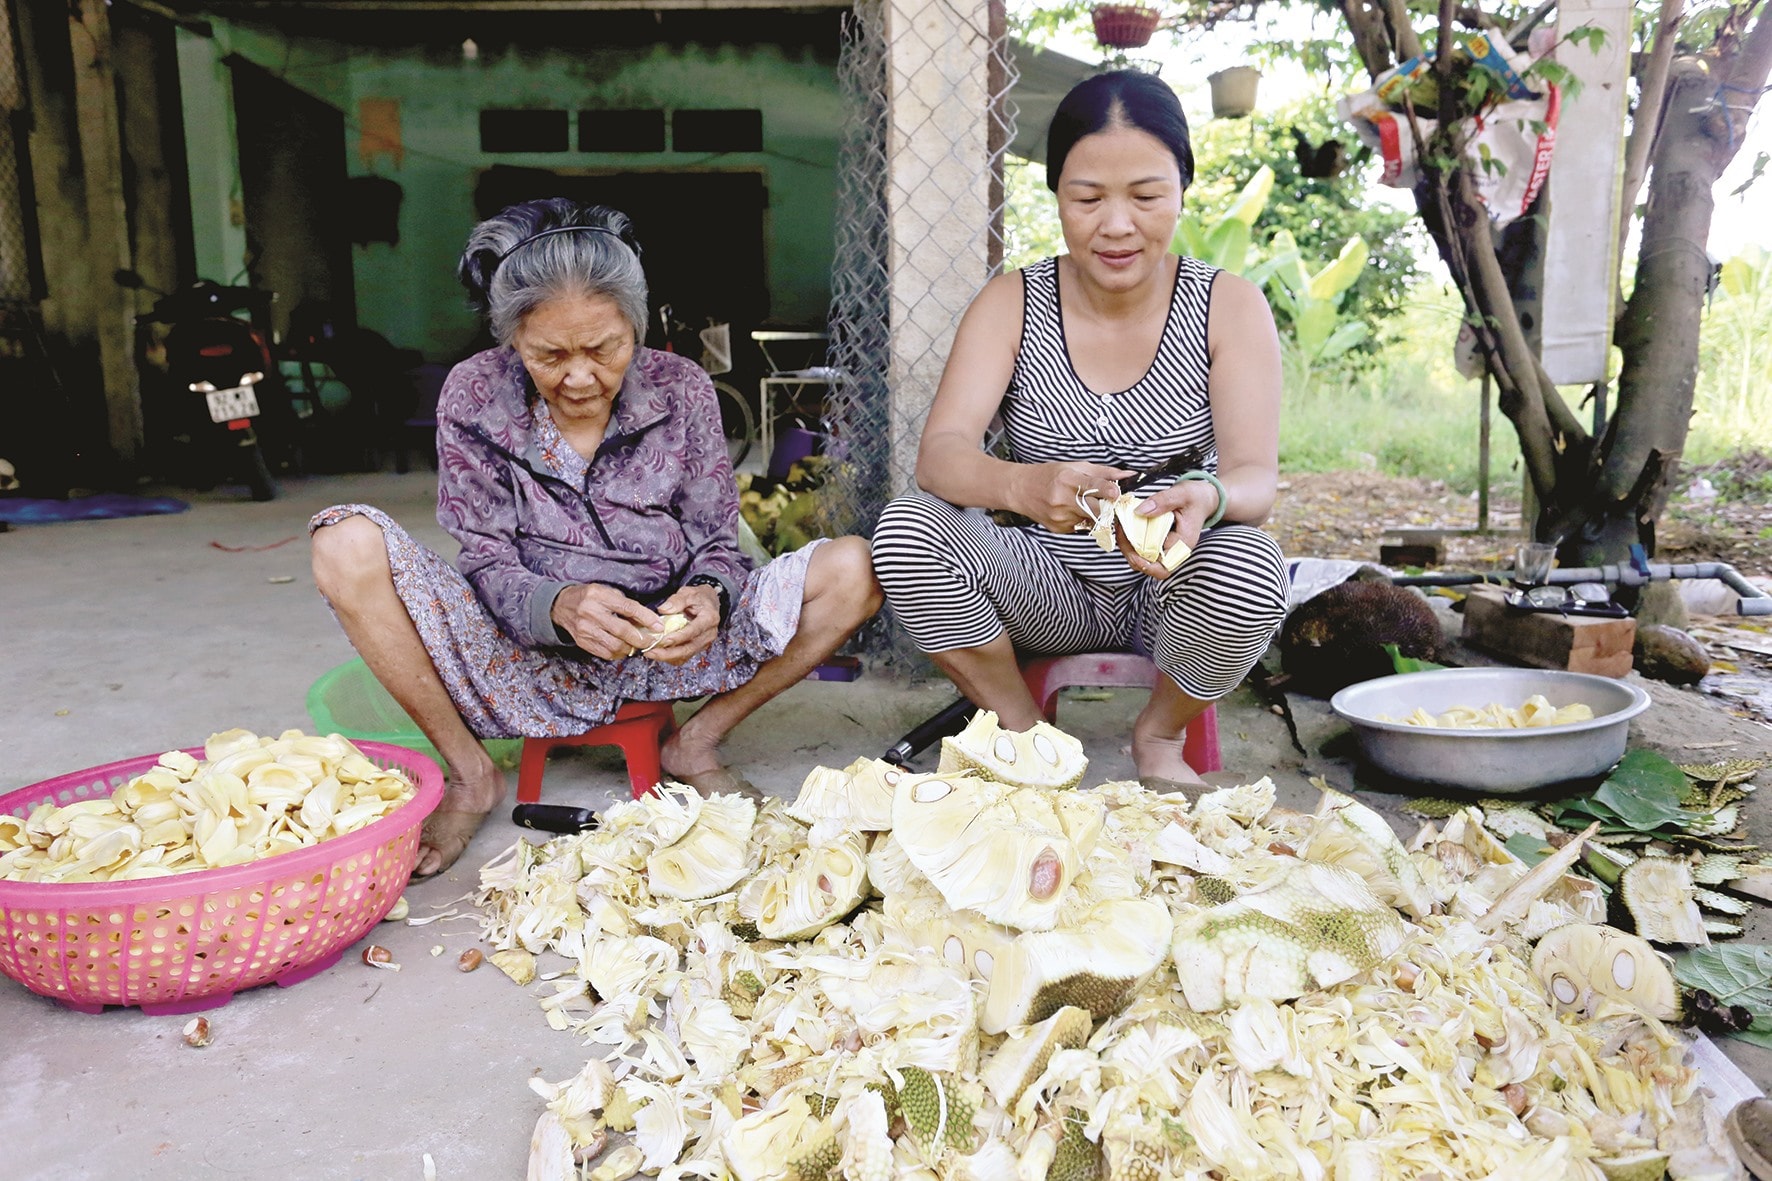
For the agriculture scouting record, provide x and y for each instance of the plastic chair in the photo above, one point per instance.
(639, 728)
(1046, 675)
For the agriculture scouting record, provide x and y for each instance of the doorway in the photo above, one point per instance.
(292, 176)
(700, 235)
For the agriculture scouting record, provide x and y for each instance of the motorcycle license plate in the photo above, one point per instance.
(226, 405)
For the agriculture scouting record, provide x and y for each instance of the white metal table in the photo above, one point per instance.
(793, 385)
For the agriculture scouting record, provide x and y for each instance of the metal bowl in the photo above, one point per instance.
(1499, 761)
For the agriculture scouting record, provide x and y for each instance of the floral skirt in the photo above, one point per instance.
(505, 690)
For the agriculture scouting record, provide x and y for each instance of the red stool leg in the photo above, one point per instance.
(640, 741)
(1038, 675)
(1199, 745)
(530, 767)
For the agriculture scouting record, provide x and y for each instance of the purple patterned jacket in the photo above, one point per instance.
(660, 503)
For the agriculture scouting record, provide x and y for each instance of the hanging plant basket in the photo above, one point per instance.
(1233, 91)
(1125, 26)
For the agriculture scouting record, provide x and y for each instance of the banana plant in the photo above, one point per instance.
(1225, 243)
(1313, 301)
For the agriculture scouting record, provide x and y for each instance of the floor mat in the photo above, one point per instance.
(26, 510)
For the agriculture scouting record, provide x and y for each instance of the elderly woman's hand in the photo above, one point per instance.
(701, 606)
(605, 622)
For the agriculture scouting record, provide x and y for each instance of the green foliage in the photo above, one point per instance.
(1732, 404)
(1225, 242)
(1642, 795)
(1312, 302)
(1322, 214)
(1030, 217)
(1401, 409)
(1736, 974)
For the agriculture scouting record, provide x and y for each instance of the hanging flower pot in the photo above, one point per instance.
(1233, 91)
(1124, 26)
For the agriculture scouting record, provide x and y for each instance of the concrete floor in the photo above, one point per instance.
(135, 636)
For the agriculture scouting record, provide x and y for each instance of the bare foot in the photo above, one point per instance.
(469, 795)
(1160, 760)
(682, 754)
(686, 760)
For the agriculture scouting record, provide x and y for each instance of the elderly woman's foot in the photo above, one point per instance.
(1161, 766)
(684, 759)
(471, 793)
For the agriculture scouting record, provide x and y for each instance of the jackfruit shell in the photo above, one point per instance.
(785, 1142)
(938, 1110)
(1647, 1165)
(872, 783)
(1305, 925)
(1040, 756)
(710, 857)
(984, 846)
(1661, 897)
(1353, 836)
(964, 938)
(1015, 1064)
(1579, 963)
(822, 885)
(823, 794)
(859, 795)
(1077, 1158)
(1095, 965)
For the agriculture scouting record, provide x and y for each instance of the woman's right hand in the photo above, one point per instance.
(1054, 494)
(603, 621)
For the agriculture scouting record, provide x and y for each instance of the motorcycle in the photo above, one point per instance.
(204, 368)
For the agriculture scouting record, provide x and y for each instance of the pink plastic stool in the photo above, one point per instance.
(639, 728)
(1046, 675)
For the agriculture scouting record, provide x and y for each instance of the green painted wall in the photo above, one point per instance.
(408, 291)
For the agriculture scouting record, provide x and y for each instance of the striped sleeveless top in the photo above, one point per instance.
(1049, 414)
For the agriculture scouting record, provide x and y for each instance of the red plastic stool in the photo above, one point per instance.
(1046, 675)
(639, 728)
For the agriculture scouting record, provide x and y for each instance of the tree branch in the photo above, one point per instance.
(1747, 73)
(1396, 15)
(1371, 34)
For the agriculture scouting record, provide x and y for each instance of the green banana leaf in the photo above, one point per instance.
(1333, 280)
(1253, 199)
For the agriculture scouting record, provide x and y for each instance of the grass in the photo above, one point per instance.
(1404, 410)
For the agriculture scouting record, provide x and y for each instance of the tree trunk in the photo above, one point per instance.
(1705, 114)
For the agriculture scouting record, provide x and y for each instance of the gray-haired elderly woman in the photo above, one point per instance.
(587, 480)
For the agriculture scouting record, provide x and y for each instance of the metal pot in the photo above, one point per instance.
(1499, 761)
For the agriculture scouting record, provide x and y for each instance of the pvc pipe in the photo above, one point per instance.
(1753, 601)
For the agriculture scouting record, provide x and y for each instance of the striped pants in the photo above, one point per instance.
(954, 578)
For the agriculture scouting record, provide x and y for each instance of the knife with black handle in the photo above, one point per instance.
(554, 817)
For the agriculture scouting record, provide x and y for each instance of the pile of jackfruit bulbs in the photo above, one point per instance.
(987, 972)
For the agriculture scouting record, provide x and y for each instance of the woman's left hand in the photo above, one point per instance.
(1192, 501)
(701, 605)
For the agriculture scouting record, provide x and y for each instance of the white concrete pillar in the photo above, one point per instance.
(938, 194)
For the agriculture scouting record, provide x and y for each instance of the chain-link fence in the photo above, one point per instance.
(15, 259)
(927, 123)
(920, 199)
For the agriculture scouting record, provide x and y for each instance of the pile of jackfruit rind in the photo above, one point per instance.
(983, 972)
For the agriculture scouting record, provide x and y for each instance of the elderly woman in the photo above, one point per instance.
(1106, 364)
(587, 480)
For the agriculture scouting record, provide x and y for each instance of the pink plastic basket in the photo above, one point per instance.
(191, 941)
